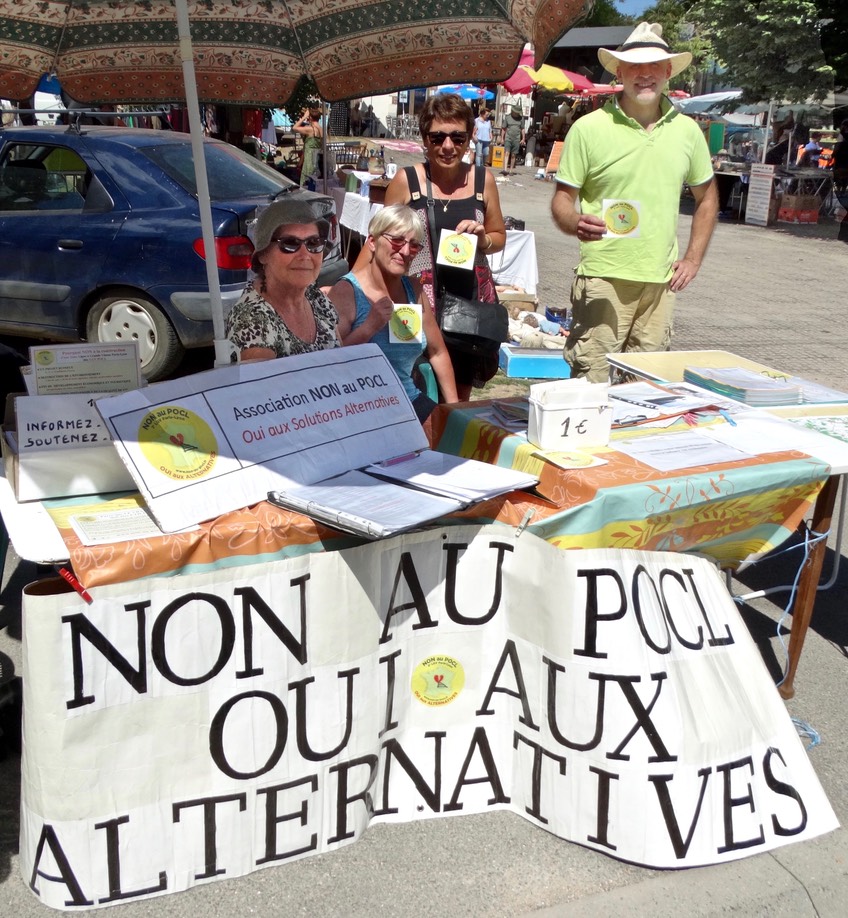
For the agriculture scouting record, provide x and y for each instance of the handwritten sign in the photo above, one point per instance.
(759, 194)
(57, 422)
(185, 729)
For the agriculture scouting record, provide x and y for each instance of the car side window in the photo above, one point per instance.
(37, 177)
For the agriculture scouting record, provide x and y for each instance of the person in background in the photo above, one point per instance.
(311, 130)
(465, 200)
(811, 151)
(282, 311)
(513, 138)
(839, 161)
(627, 163)
(482, 137)
(365, 300)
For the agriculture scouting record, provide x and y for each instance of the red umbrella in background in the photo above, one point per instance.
(580, 82)
(526, 79)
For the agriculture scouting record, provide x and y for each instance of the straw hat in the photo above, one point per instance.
(297, 207)
(645, 45)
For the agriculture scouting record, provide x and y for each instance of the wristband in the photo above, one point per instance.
(488, 242)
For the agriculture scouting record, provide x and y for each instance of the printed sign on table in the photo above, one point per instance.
(203, 445)
(90, 367)
(183, 729)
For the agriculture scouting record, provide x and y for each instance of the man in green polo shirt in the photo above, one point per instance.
(627, 163)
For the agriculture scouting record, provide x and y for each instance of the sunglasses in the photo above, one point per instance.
(291, 244)
(457, 138)
(398, 242)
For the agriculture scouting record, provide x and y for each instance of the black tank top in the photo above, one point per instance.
(459, 281)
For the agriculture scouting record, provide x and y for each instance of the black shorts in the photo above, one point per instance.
(473, 369)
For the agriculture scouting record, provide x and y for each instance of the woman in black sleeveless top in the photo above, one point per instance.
(465, 201)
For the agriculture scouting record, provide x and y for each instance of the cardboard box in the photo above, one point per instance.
(799, 208)
(85, 467)
(562, 427)
(533, 363)
(790, 215)
(800, 201)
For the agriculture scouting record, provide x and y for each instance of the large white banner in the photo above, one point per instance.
(180, 730)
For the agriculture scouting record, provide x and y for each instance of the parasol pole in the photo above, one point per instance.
(223, 349)
(768, 128)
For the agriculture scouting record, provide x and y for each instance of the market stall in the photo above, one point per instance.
(284, 685)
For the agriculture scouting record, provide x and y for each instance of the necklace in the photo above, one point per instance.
(445, 202)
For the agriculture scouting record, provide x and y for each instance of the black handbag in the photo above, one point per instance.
(470, 326)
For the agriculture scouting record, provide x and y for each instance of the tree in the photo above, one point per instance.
(675, 16)
(834, 35)
(604, 13)
(771, 48)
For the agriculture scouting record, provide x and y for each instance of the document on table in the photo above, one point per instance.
(364, 505)
(466, 480)
(105, 526)
(670, 452)
(645, 402)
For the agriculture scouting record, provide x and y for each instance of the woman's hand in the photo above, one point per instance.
(475, 229)
(379, 315)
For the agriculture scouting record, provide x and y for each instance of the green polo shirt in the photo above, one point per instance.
(609, 156)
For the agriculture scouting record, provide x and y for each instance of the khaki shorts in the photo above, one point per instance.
(611, 316)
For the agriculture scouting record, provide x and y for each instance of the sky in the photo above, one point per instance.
(633, 7)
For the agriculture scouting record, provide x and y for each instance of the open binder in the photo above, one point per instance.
(400, 494)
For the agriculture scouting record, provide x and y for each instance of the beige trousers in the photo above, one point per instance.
(611, 316)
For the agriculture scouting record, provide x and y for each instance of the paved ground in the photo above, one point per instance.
(776, 295)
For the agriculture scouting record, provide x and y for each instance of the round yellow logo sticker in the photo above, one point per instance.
(621, 218)
(406, 323)
(437, 680)
(178, 443)
(456, 249)
(44, 358)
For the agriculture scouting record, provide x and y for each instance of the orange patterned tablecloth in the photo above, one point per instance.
(728, 512)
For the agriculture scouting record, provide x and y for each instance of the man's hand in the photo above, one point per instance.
(590, 228)
(683, 273)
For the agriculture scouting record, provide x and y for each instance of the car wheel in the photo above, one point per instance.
(133, 317)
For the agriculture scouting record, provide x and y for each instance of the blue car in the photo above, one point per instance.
(100, 236)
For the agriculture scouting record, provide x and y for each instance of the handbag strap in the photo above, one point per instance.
(431, 232)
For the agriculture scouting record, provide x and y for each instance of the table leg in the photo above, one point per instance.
(805, 600)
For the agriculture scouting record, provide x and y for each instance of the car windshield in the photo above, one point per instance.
(231, 173)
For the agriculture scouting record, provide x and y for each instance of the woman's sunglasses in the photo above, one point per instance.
(398, 242)
(291, 244)
(437, 138)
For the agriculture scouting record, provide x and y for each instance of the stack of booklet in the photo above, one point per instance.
(400, 494)
(511, 415)
(745, 386)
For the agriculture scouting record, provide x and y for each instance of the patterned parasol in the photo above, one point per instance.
(255, 51)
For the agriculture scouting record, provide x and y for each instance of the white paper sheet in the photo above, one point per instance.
(670, 452)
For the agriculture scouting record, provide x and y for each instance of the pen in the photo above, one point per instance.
(398, 459)
(65, 574)
(726, 415)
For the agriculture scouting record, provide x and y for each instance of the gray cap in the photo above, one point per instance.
(296, 207)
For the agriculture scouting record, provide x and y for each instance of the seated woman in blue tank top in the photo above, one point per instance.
(378, 302)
